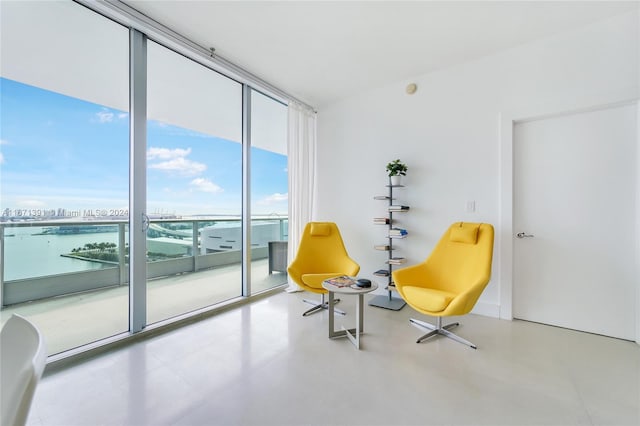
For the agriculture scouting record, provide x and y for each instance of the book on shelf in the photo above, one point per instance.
(396, 261)
(397, 232)
(383, 247)
(398, 208)
(381, 220)
(341, 281)
(381, 273)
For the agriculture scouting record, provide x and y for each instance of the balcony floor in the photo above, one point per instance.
(70, 321)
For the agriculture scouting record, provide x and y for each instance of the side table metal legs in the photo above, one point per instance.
(353, 334)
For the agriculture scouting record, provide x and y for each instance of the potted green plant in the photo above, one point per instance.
(396, 170)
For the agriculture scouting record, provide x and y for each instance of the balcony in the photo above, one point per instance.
(184, 274)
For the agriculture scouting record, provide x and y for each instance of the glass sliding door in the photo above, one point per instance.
(68, 178)
(64, 161)
(194, 185)
(269, 193)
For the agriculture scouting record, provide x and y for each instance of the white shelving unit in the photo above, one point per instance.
(389, 301)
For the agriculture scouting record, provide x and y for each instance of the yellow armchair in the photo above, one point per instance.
(321, 255)
(450, 281)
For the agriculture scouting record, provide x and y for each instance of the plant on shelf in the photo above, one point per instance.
(396, 169)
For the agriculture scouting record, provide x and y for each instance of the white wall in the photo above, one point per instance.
(638, 201)
(448, 133)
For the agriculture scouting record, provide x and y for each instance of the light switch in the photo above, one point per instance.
(471, 206)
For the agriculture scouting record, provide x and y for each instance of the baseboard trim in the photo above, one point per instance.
(487, 309)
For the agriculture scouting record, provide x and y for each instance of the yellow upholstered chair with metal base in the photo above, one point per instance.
(450, 281)
(321, 255)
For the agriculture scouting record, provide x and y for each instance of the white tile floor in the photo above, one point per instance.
(264, 364)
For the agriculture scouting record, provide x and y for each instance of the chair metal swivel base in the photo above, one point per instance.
(440, 329)
(317, 307)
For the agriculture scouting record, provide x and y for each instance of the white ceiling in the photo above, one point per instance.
(321, 51)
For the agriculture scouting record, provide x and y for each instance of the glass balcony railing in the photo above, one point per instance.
(47, 259)
(59, 272)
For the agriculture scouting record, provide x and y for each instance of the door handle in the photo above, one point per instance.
(523, 235)
(145, 222)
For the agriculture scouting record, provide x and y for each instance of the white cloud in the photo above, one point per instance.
(205, 185)
(3, 142)
(108, 116)
(180, 166)
(274, 198)
(175, 161)
(166, 153)
(30, 204)
(104, 116)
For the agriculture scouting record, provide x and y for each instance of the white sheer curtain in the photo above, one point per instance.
(302, 175)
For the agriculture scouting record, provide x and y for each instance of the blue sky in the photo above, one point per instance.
(62, 152)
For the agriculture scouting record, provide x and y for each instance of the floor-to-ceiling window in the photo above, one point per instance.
(269, 192)
(194, 184)
(70, 175)
(64, 170)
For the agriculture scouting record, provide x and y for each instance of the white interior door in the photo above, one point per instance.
(574, 192)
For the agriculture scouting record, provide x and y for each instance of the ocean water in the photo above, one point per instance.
(27, 255)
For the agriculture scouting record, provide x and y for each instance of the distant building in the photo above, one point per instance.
(170, 246)
(228, 236)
